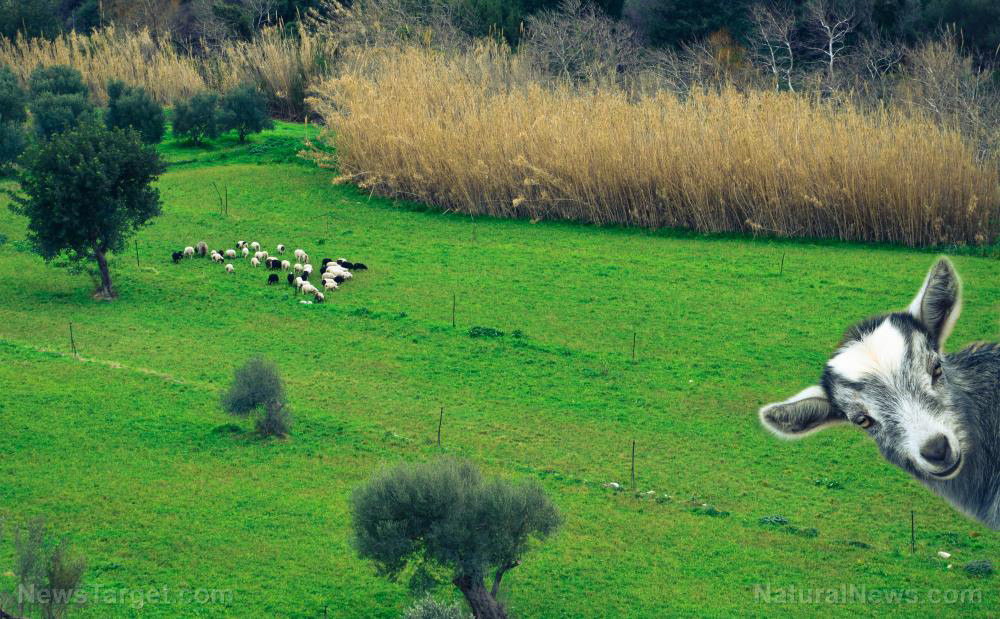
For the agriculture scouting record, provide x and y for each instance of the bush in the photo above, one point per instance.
(256, 383)
(58, 113)
(13, 141)
(13, 100)
(133, 107)
(244, 109)
(197, 118)
(57, 80)
(429, 608)
(274, 420)
(982, 568)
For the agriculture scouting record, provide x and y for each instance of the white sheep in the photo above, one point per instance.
(329, 284)
(254, 262)
(229, 268)
(202, 248)
(305, 258)
(307, 268)
(319, 297)
(281, 248)
(264, 256)
(298, 255)
(230, 253)
(308, 288)
(216, 256)
(298, 282)
(297, 267)
(189, 252)
(246, 252)
(285, 265)
(259, 255)
(255, 246)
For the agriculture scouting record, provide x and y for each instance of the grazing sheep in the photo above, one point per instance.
(285, 265)
(298, 255)
(305, 276)
(281, 248)
(255, 246)
(344, 263)
(329, 284)
(241, 244)
(254, 262)
(230, 253)
(307, 268)
(229, 268)
(340, 279)
(305, 258)
(326, 261)
(259, 255)
(308, 288)
(217, 257)
(297, 267)
(291, 279)
(202, 248)
(272, 279)
(189, 252)
(265, 255)
(246, 252)
(360, 266)
(298, 283)
(319, 297)
(177, 255)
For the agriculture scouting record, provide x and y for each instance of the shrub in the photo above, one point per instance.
(244, 109)
(444, 512)
(429, 608)
(274, 420)
(49, 567)
(54, 114)
(983, 568)
(197, 118)
(13, 141)
(256, 383)
(133, 107)
(57, 80)
(85, 192)
(13, 101)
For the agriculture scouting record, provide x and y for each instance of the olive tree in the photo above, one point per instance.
(85, 192)
(446, 513)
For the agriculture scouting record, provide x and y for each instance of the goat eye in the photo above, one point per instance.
(864, 421)
(936, 370)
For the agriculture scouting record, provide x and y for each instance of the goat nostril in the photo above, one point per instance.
(937, 450)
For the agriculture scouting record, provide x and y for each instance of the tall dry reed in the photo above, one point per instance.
(449, 132)
(110, 54)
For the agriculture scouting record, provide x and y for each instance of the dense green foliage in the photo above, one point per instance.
(133, 107)
(445, 512)
(165, 490)
(244, 110)
(429, 608)
(57, 80)
(255, 383)
(197, 118)
(13, 113)
(59, 99)
(85, 191)
(33, 17)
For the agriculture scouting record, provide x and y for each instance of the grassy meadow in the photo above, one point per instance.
(126, 450)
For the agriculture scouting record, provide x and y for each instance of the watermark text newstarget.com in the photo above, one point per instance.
(849, 593)
(135, 597)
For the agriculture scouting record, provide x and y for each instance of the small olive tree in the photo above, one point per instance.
(59, 100)
(130, 106)
(257, 387)
(85, 192)
(445, 512)
(197, 118)
(244, 109)
(13, 114)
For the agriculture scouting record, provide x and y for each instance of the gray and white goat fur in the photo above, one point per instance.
(934, 415)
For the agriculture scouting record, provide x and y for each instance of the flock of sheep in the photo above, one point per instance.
(332, 273)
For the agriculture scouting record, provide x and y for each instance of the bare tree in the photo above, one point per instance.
(773, 39)
(831, 23)
(579, 43)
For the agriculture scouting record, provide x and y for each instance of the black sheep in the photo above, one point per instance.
(272, 279)
(339, 279)
(177, 255)
(344, 263)
(360, 266)
(291, 279)
(305, 276)
(274, 264)
(326, 261)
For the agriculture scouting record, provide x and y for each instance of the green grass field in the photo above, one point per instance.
(128, 453)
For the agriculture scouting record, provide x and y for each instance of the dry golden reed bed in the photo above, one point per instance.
(464, 134)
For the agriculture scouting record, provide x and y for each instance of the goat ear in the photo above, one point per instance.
(939, 301)
(804, 413)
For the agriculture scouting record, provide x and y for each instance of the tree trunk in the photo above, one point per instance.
(484, 606)
(105, 291)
